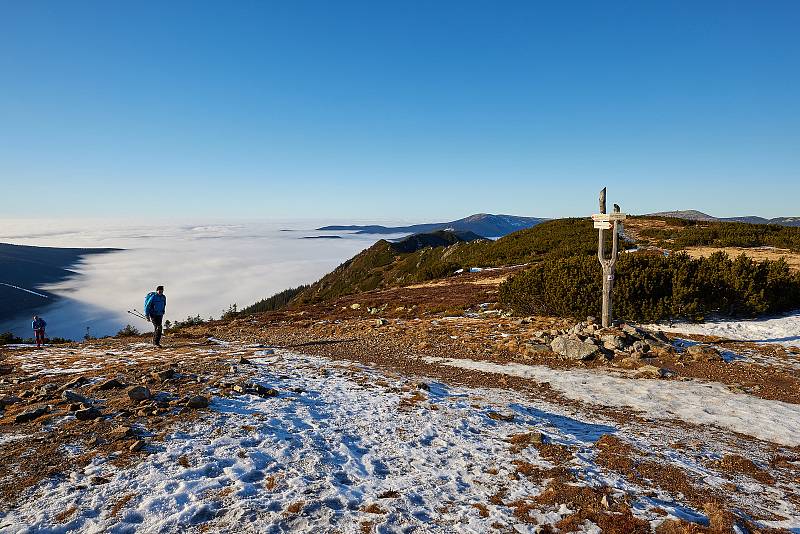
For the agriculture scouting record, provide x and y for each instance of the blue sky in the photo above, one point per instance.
(384, 110)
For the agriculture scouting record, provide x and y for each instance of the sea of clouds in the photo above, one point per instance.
(204, 267)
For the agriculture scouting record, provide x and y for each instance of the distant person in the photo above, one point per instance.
(38, 325)
(155, 304)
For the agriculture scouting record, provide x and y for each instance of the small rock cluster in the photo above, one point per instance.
(624, 345)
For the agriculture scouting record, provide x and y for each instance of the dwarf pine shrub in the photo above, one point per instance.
(651, 287)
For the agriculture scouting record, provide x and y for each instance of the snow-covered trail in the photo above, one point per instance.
(342, 447)
(347, 448)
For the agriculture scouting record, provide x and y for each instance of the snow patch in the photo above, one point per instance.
(703, 403)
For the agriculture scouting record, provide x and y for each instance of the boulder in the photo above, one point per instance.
(640, 347)
(111, 384)
(6, 369)
(8, 400)
(573, 349)
(197, 402)
(381, 322)
(30, 415)
(75, 383)
(70, 396)
(88, 414)
(139, 393)
(613, 341)
(163, 375)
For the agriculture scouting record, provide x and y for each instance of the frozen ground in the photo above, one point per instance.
(693, 401)
(784, 330)
(346, 448)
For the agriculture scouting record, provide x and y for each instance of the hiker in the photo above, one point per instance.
(38, 325)
(155, 303)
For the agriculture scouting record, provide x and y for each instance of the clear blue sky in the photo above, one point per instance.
(414, 109)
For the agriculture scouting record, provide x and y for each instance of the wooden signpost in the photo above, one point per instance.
(607, 221)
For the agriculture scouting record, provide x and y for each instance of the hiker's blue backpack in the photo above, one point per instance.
(147, 299)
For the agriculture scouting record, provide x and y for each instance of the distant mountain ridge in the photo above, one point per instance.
(694, 215)
(24, 268)
(483, 224)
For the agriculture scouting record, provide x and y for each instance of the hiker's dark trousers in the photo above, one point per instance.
(158, 330)
(39, 337)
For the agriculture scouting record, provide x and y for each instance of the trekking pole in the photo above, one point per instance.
(137, 314)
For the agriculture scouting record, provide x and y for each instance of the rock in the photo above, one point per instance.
(70, 396)
(239, 388)
(138, 393)
(94, 442)
(120, 432)
(640, 347)
(632, 331)
(244, 361)
(381, 322)
(27, 394)
(111, 384)
(613, 341)
(47, 389)
(508, 417)
(651, 371)
(75, 383)
(355, 306)
(591, 320)
(703, 353)
(423, 386)
(266, 392)
(30, 415)
(660, 336)
(6, 369)
(137, 445)
(197, 402)
(573, 349)
(8, 400)
(605, 502)
(163, 375)
(96, 481)
(533, 350)
(88, 414)
(74, 407)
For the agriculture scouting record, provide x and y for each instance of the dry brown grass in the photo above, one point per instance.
(482, 509)
(295, 507)
(757, 254)
(120, 504)
(62, 517)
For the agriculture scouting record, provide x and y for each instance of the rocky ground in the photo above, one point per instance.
(414, 409)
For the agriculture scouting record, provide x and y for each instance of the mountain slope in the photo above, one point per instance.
(26, 268)
(385, 265)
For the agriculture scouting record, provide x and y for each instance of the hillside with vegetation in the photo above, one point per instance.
(384, 264)
(563, 278)
(677, 234)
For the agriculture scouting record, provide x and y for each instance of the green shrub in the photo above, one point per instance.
(128, 331)
(8, 338)
(652, 287)
(683, 233)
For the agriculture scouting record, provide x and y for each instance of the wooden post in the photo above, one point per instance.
(603, 222)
